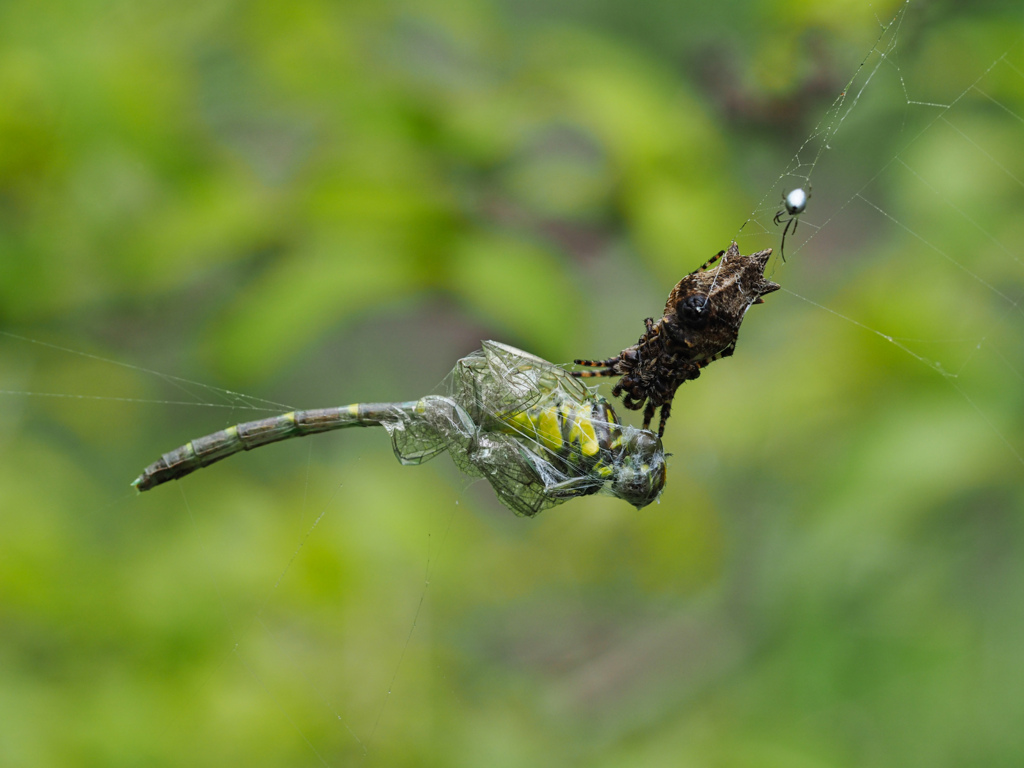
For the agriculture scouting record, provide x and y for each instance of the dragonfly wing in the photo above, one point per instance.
(504, 463)
(498, 379)
(544, 375)
(524, 481)
(435, 425)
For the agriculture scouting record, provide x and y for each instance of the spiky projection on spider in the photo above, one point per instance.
(700, 324)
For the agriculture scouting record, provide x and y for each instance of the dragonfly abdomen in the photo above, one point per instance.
(208, 449)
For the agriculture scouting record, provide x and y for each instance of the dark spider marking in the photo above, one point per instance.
(700, 324)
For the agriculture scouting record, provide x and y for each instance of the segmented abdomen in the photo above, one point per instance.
(205, 450)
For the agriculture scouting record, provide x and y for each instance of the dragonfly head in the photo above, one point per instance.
(640, 470)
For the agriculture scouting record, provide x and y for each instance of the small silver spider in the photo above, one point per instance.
(794, 203)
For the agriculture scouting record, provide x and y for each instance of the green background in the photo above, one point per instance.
(318, 203)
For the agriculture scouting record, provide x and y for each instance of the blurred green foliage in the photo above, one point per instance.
(319, 203)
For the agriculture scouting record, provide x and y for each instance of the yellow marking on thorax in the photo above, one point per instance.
(353, 410)
(541, 426)
(582, 431)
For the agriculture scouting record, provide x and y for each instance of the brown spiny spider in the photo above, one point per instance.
(701, 322)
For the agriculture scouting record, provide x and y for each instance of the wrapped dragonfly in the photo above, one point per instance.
(538, 435)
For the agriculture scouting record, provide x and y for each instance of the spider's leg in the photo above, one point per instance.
(666, 410)
(608, 365)
(709, 263)
(649, 413)
(599, 363)
(630, 400)
(782, 246)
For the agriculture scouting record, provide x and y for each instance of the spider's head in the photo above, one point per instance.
(640, 470)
